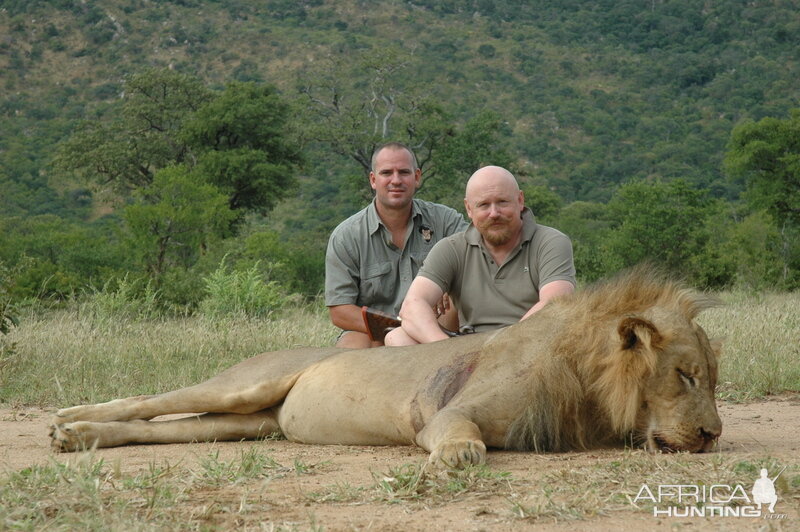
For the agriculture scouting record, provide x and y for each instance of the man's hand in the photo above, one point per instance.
(442, 306)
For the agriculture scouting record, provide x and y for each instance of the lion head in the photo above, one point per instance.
(630, 361)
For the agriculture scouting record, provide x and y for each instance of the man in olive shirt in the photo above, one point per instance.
(373, 256)
(504, 268)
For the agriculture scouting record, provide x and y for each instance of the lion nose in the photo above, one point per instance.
(710, 435)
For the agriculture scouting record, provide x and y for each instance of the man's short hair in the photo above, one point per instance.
(394, 146)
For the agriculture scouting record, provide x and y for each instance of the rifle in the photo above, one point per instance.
(379, 323)
(779, 474)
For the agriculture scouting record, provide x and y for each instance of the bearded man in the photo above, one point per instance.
(502, 269)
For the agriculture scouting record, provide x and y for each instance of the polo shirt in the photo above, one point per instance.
(490, 295)
(364, 267)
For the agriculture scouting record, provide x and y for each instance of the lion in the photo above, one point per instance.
(621, 362)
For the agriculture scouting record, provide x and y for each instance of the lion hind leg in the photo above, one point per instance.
(215, 395)
(250, 386)
(82, 435)
(116, 410)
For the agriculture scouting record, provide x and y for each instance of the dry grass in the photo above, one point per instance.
(214, 494)
(70, 357)
(610, 487)
(761, 344)
(65, 357)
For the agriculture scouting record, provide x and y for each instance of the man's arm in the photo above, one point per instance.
(548, 292)
(347, 317)
(419, 318)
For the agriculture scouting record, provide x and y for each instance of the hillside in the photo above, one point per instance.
(593, 93)
(581, 99)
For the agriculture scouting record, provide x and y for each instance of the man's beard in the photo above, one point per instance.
(496, 232)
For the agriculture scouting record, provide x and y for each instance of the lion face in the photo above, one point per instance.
(678, 411)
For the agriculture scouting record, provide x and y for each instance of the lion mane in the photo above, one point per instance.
(591, 392)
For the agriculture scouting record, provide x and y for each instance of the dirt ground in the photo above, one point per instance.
(754, 431)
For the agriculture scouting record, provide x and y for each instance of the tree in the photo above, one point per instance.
(175, 219)
(352, 116)
(766, 154)
(479, 143)
(239, 139)
(587, 225)
(141, 135)
(241, 145)
(664, 223)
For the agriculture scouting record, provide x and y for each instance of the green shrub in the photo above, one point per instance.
(241, 292)
(123, 298)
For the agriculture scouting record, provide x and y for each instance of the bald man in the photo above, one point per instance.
(503, 269)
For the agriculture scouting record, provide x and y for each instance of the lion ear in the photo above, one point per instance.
(637, 332)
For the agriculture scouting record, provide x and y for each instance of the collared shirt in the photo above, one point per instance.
(490, 295)
(364, 267)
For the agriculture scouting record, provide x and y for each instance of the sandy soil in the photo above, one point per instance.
(766, 429)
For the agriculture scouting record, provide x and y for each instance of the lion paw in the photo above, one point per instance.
(457, 454)
(68, 437)
(67, 415)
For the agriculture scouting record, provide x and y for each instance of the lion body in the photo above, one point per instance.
(588, 370)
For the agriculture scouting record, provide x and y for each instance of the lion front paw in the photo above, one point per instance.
(456, 454)
(68, 437)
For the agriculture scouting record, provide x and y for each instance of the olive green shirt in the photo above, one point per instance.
(364, 267)
(489, 295)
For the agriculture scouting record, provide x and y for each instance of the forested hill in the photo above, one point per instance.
(593, 92)
(578, 97)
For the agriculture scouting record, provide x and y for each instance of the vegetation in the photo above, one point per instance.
(90, 494)
(170, 172)
(661, 130)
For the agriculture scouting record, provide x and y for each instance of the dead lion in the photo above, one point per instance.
(620, 361)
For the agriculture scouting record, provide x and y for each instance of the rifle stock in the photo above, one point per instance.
(378, 323)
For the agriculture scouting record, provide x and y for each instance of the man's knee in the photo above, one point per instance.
(355, 340)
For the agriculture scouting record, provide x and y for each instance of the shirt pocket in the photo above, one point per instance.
(378, 285)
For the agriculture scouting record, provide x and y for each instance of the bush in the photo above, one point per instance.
(241, 292)
(123, 298)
